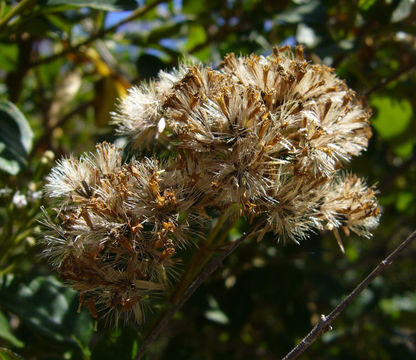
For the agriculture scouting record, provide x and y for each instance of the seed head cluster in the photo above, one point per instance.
(270, 134)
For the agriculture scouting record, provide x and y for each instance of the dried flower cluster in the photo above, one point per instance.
(269, 134)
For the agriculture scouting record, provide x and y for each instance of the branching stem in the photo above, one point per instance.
(324, 324)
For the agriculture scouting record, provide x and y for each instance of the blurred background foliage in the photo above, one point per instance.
(64, 64)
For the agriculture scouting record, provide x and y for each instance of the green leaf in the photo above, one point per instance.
(48, 307)
(117, 344)
(17, 137)
(6, 332)
(392, 117)
(106, 5)
(6, 354)
(197, 35)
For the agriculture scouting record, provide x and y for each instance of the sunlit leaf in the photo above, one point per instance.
(392, 116)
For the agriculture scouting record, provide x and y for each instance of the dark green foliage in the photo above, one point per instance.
(268, 295)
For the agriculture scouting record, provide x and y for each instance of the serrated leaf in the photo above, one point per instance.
(6, 332)
(16, 136)
(106, 5)
(48, 307)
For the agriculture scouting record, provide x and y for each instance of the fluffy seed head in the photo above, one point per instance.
(270, 134)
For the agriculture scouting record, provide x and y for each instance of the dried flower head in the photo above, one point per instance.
(252, 120)
(119, 227)
(270, 134)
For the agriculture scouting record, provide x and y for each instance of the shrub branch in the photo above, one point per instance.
(324, 324)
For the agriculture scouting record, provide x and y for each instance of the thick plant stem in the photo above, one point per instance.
(207, 249)
(14, 11)
(208, 270)
(324, 324)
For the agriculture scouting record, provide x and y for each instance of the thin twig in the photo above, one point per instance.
(209, 269)
(14, 12)
(324, 324)
(134, 15)
(384, 82)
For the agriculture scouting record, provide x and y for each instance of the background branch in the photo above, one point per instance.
(384, 82)
(324, 323)
(134, 15)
